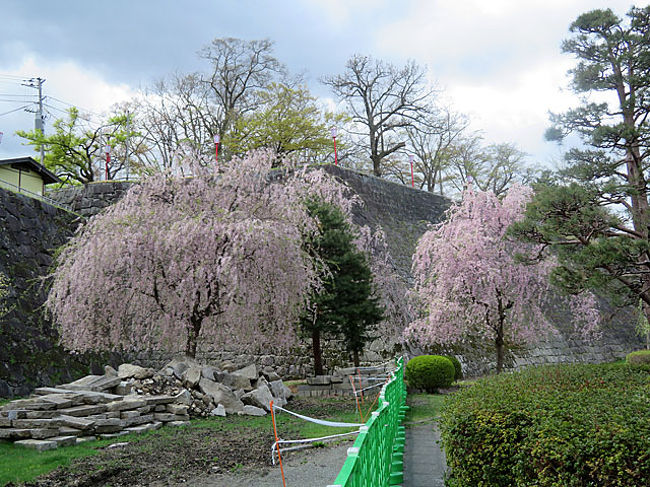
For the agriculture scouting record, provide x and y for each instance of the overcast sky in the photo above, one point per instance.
(498, 61)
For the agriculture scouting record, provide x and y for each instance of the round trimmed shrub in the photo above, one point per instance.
(458, 375)
(430, 372)
(642, 357)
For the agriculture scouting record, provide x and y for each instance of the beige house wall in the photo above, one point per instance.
(21, 179)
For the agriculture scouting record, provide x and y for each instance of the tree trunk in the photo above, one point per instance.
(500, 353)
(193, 337)
(355, 357)
(318, 356)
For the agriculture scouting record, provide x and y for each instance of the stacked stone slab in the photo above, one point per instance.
(340, 384)
(69, 414)
(134, 399)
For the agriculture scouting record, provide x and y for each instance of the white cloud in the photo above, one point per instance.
(499, 61)
(66, 81)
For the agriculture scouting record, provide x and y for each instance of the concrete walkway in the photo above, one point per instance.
(424, 463)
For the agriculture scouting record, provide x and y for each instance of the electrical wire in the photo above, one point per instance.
(15, 110)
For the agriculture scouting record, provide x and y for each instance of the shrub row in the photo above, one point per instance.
(638, 358)
(552, 426)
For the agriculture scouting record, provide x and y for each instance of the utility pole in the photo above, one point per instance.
(39, 120)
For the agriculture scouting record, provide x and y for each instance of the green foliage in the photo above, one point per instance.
(430, 372)
(458, 369)
(552, 426)
(4, 292)
(346, 305)
(643, 325)
(597, 219)
(642, 357)
(288, 121)
(72, 152)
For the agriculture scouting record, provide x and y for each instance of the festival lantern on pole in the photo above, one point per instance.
(107, 150)
(336, 159)
(217, 139)
(412, 178)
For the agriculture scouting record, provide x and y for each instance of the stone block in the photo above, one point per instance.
(183, 397)
(14, 433)
(145, 418)
(166, 417)
(160, 408)
(40, 433)
(84, 439)
(155, 400)
(61, 401)
(126, 404)
(75, 422)
(67, 431)
(39, 445)
(218, 411)
(220, 394)
(260, 397)
(250, 372)
(110, 436)
(64, 440)
(177, 408)
(110, 425)
(252, 411)
(126, 371)
(82, 411)
(124, 388)
(33, 404)
(42, 414)
(34, 423)
(178, 423)
(207, 372)
(129, 414)
(234, 381)
(192, 376)
(319, 380)
(14, 414)
(5, 423)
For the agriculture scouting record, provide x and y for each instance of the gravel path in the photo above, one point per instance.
(315, 467)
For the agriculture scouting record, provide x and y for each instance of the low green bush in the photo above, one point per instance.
(430, 372)
(553, 426)
(641, 357)
(458, 370)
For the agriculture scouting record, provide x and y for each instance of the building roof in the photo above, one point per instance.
(48, 176)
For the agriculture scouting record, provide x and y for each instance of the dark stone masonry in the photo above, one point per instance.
(31, 231)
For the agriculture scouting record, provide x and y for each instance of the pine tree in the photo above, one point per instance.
(345, 305)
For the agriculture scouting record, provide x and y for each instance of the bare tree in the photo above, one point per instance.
(190, 109)
(491, 168)
(432, 144)
(383, 100)
(240, 69)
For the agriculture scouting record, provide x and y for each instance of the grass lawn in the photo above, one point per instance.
(424, 408)
(217, 444)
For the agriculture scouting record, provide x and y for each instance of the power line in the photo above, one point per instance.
(14, 110)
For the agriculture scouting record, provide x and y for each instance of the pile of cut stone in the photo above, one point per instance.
(135, 399)
(215, 392)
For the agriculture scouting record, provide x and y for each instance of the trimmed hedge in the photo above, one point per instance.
(553, 426)
(641, 357)
(458, 374)
(430, 372)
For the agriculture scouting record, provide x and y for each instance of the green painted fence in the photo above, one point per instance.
(375, 459)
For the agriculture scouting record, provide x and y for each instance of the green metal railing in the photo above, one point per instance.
(376, 458)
